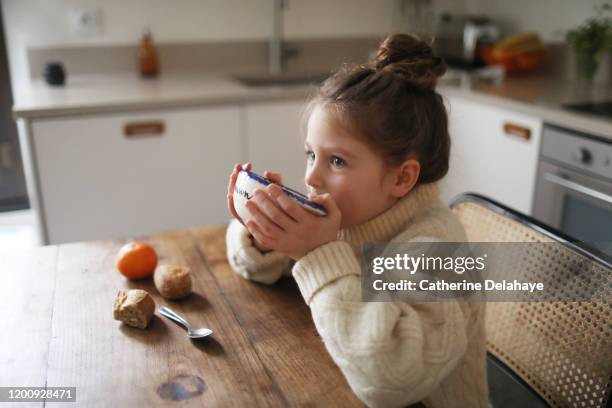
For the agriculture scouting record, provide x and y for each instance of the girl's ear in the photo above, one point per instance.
(406, 177)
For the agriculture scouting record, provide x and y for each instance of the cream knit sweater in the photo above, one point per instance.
(392, 353)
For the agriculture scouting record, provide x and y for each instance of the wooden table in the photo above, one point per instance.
(57, 329)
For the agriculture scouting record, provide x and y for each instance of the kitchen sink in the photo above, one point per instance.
(282, 80)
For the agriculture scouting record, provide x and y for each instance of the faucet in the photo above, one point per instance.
(278, 51)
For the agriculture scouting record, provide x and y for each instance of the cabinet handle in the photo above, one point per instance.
(579, 188)
(517, 130)
(143, 129)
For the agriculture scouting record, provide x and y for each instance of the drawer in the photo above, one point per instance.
(121, 175)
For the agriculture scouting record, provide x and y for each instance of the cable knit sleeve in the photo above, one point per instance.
(249, 262)
(391, 353)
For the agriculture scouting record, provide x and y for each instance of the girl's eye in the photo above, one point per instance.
(309, 155)
(338, 162)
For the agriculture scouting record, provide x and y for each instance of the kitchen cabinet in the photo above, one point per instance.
(128, 174)
(117, 175)
(494, 152)
(275, 140)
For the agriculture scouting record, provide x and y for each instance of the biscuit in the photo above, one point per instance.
(134, 308)
(173, 282)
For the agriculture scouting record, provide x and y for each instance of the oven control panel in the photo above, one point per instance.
(578, 150)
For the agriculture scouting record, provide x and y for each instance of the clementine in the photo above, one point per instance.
(136, 260)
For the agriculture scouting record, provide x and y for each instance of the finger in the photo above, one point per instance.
(272, 209)
(232, 180)
(230, 193)
(260, 236)
(293, 209)
(235, 172)
(247, 166)
(230, 205)
(273, 176)
(267, 226)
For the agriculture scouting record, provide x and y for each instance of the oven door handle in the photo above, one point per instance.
(570, 185)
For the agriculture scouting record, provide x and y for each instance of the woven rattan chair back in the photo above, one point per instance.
(563, 350)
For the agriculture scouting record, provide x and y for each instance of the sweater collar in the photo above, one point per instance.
(392, 221)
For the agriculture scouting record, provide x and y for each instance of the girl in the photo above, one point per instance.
(377, 142)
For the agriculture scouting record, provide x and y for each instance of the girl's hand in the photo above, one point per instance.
(274, 177)
(283, 225)
(231, 186)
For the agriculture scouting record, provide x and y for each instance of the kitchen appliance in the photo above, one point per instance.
(54, 73)
(574, 186)
(461, 41)
(603, 108)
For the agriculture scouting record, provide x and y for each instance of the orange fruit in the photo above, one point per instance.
(136, 260)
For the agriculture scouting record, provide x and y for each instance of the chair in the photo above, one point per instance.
(561, 350)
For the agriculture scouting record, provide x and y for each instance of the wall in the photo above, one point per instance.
(550, 18)
(40, 23)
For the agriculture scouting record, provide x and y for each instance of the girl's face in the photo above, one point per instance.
(342, 165)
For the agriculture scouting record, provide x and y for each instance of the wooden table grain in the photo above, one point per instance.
(57, 329)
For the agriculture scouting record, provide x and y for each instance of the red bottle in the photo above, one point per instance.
(147, 56)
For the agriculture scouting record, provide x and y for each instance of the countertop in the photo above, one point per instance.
(122, 92)
(538, 96)
(265, 350)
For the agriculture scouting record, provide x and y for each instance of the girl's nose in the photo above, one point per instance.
(313, 177)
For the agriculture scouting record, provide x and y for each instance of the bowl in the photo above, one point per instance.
(515, 63)
(248, 182)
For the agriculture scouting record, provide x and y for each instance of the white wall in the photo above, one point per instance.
(550, 18)
(39, 23)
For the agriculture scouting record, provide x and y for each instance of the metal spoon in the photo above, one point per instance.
(194, 334)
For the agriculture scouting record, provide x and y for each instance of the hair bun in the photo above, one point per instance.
(411, 58)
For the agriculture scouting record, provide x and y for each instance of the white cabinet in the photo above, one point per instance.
(275, 140)
(487, 157)
(97, 182)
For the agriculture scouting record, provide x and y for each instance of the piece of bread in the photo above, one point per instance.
(134, 308)
(172, 281)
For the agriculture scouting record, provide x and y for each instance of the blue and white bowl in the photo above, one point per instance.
(248, 182)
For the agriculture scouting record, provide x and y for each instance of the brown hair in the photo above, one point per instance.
(391, 102)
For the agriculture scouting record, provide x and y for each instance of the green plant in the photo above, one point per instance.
(590, 40)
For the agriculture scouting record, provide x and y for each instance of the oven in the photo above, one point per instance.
(574, 186)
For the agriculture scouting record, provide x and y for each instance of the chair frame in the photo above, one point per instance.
(592, 254)
(548, 231)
